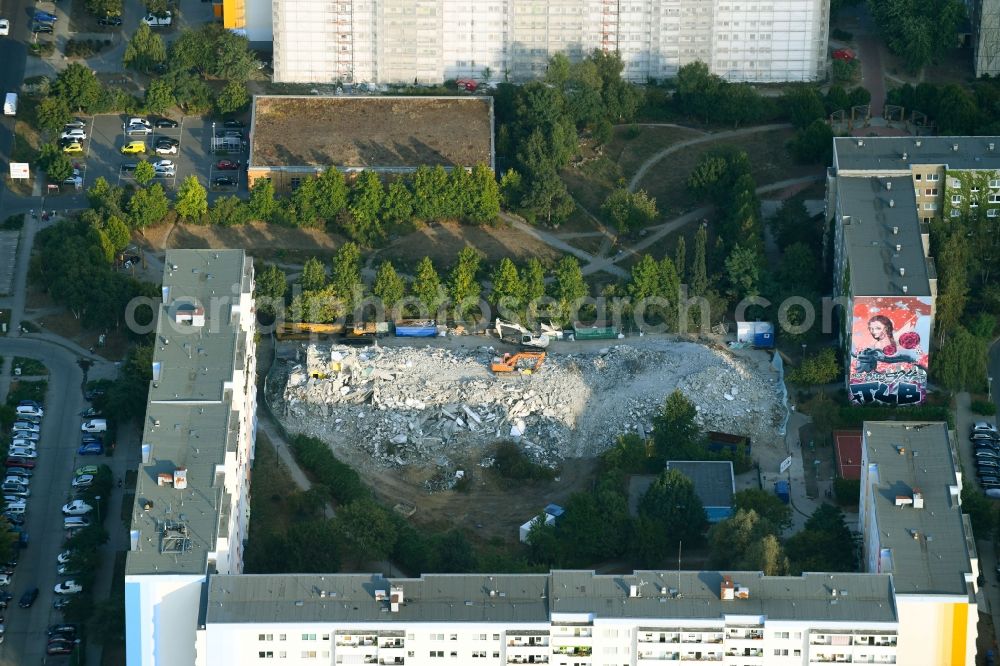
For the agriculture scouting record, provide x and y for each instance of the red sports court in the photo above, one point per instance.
(847, 444)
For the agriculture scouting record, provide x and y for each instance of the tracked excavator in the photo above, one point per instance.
(510, 362)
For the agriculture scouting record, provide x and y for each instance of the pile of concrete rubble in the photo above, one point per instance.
(403, 405)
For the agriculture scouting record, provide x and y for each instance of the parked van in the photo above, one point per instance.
(95, 425)
(15, 489)
(75, 522)
(10, 104)
(16, 508)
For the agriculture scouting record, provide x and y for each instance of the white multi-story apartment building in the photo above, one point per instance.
(428, 41)
(192, 495)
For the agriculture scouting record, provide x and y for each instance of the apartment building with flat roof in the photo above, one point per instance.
(430, 41)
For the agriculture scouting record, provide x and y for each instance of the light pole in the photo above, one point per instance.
(803, 352)
(989, 388)
(97, 500)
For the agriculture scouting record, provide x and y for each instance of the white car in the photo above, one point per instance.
(166, 150)
(164, 165)
(77, 508)
(24, 426)
(154, 21)
(22, 452)
(67, 587)
(139, 121)
(25, 443)
(4, 27)
(64, 556)
(23, 480)
(5, 579)
(83, 481)
(31, 410)
(75, 133)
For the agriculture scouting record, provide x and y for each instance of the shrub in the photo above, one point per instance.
(847, 491)
(13, 223)
(511, 463)
(315, 456)
(983, 407)
(841, 35)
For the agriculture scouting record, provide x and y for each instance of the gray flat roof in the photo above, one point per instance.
(532, 598)
(189, 419)
(937, 560)
(872, 230)
(886, 153)
(713, 480)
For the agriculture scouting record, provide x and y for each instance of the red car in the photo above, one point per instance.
(227, 165)
(26, 463)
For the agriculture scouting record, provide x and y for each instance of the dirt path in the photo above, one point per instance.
(652, 161)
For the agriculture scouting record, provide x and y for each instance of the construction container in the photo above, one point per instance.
(416, 328)
(758, 334)
(783, 491)
(724, 441)
(595, 331)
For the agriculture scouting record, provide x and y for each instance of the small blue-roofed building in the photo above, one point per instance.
(713, 482)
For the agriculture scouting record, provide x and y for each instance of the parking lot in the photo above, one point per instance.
(195, 155)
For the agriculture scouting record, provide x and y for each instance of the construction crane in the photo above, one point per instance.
(509, 362)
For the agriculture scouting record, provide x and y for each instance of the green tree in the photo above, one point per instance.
(570, 287)
(232, 59)
(918, 32)
(159, 95)
(961, 362)
(331, 193)
(672, 507)
(52, 114)
(270, 286)
(367, 530)
(485, 205)
(105, 198)
(144, 173)
(346, 272)
(313, 277)
(803, 105)
(397, 206)
(229, 211)
(430, 188)
(78, 87)
(263, 205)
(104, 7)
(743, 271)
(192, 199)
(427, 285)
(117, 233)
(319, 306)
(826, 543)
(233, 97)
(557, 71)
(463, 287)
(675, 430)
(365, 204)
(144, 49)
(980, 510)
(699, 271)
(816, 370)
(953, 294)
(645, 278)
(680, 258)
(736, 543)
(814, 144)
(766, 505)
(534, 280)
(148, 206)
(59, 168)
(389, 287)
(508, 288)
(798, 267)
(192, 50)
(629, 211)
(303, 206)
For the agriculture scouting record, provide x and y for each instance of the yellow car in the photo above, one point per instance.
(134, 147)
(73, 148)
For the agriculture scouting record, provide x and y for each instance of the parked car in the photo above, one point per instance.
(75, 133)
(15, 489)
(4, 27)
(60, 603)
(163, 148)
(110, 20)
(28, 598)
(90, 449)
(64, 556)
(19, 461)
(983, 426)
(987, 455)
(165, 123)
(224, 181)
(85, 469)
(61, 647)
(21, 452)
(26, 442)
(83, 481)
(76, 508)
(158, 21)
(44, 16)
(65, 628)
(5, 579)
(68, 587)
(227, 165)
(41, 28)
(24, 426)
(30, 410)
(22, 473)
(13, 478)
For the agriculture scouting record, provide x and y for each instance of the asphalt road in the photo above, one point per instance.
(13, 51)
(50, 489)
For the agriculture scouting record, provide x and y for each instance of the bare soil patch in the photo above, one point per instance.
(372, 131)
(267, 241)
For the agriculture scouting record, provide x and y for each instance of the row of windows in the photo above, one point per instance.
(993, 184)
(992, 198)
(284, 637)
(990, 212)
(930, 176)
(305, 654)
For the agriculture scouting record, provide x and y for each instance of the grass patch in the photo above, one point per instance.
(13, 223)
(4, 321)
(512, 465)
(27, 390)
(983, 407)
(771, 162)
(30, 367)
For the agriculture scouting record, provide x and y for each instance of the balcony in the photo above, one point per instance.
(746, 652)
(884, 659)
(574, 650)
(528, 659)
(702, 657)
(831, 659)
(659, 656)
(703, 638)
(745, 634)
(389, 643)
(659, 638)
(391, 661)
(528, 641)
(355, 641)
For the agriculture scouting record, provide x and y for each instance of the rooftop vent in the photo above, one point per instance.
(902, 271)
(919, 143)
(180, 478)
(727, 590)
(165, 291)
(742, 592)
(918, 499)
(905, 289)
(898, 248)
(954, 147)
(861, 143)
(905, 156)
(147, 451)
(904, 500)
(892, 203)
(888, 185)
(900, 449)
(189, 313)
(895, 231)
(991, 146)
(915, 534)
(633, 591)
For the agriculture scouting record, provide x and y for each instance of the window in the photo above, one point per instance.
(797, 653)
(994, 197)
(781, 653)
(917, 176)
(436, 653)
(974, 189)
(784, 634)
(955, 212)
(437, 637)
(326, 637)
(479, 637)
(265, 654)
(956, 198)
(931, 191)
(265, 637)
(496, 655)
(309, 654)
(930, 176)
(496, 637)
(282, 655)
(994, 184)
(453, 637)
(930, 206)
(282, 637)
(993, 212)
(308, 637)
(454, 654)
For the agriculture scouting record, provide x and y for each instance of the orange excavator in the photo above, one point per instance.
(509, 362)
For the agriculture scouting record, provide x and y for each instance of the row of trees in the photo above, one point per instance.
(955, 110)
(919, 32)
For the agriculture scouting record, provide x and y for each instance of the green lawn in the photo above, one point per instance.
(30, 367)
